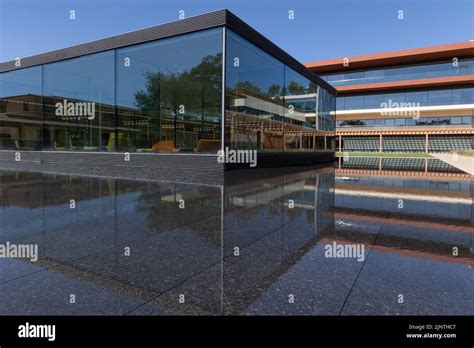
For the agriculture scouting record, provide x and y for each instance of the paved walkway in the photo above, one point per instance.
(465, 163)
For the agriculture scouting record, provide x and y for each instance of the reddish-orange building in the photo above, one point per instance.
(416, 100)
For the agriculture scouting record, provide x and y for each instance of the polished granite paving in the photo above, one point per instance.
(254, 246)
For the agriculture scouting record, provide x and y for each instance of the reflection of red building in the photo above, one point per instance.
(429, 93)
(398, 167)
(436, 217)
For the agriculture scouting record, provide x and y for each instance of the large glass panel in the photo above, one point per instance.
(373, 76)
(356, 76)
(354, 102)
(456, 120)
(391, 98)
(169, 94)
(463, 96)
(373, 101)
(416, 72)
(393, 74)
(415, 98)
(340, 103)
(440, 97)
(269, 106)
(79, 103)
(467, 120)
(466, 67)
(326, 108)
(255, 109)
(21, 109)
(399, 122)
(379, 122)
(299, 132)
(437, 70)
(335, 78)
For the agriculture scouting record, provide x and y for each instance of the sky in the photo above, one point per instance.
(320, 29)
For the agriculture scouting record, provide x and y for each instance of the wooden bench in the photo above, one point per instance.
(164, 146)
(208, 146)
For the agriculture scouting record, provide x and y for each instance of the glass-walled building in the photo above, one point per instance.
(163, 95)
(449, 67)
(194, 86)
(270, 106)
(419, 100)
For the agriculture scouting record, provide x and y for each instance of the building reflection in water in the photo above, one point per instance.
(401, 166)
(253, 246)
(149, 247)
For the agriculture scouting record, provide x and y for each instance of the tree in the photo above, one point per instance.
(274, 90)
(248, 86)
(198, 88)
(295, 88)
(196, 91)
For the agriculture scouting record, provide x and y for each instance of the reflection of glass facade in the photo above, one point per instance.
(449, 96)
(269, 106)
(165, 95)
(414, 72)
(172, 249)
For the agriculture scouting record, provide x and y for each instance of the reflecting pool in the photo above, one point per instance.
(256, 245)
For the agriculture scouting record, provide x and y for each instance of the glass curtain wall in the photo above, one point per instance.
(165, 96)
(422, 121)
(160, 96)
(268, 106)
(255, 108)
(79, 103)
(419, 71)
(301, 123)
(169, 94)
(435, 97)
(21, 111)
(326, 110)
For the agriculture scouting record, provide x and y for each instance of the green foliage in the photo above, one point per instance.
(198, 90)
